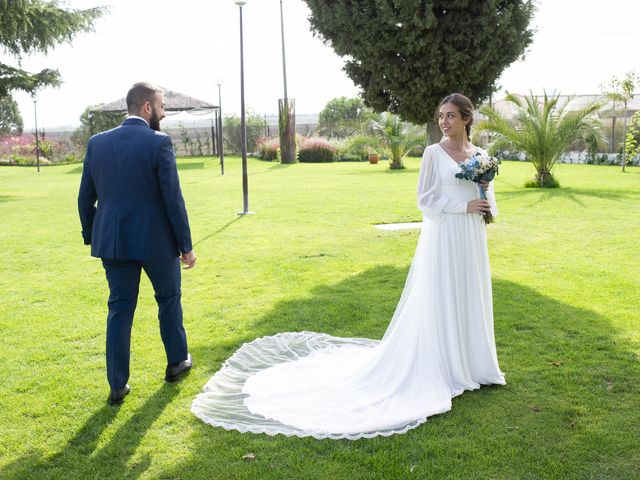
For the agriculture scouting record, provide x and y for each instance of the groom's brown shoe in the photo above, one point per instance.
(116, 397)
(175, 371)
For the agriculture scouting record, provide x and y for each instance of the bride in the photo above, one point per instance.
(440, 341)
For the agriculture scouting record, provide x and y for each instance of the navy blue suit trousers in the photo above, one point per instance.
(123, 277)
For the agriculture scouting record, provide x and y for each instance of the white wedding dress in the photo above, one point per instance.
(439, 343)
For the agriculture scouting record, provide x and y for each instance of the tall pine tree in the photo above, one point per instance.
(29, 26)
(407, 55)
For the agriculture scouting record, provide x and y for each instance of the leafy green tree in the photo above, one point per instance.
(542, 130)
(10, 118)
(620, 91)
(632, 142)
(232, 133)
(92, 122)
(29, 26)
(342, 117)
(406, 56)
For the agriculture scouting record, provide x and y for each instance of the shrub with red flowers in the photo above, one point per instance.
(21, 150)
(268, 148)
(16, 149)
(316, 150)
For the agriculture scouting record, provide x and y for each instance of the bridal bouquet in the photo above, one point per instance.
(480, 167)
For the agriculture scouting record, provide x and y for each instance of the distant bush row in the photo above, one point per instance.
(321, 150)
(21, 150)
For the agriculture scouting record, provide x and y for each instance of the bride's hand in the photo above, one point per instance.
(478, 206)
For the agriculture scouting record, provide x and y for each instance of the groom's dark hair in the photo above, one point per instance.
(139, 94)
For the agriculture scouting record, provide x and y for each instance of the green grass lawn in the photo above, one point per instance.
(566, 281)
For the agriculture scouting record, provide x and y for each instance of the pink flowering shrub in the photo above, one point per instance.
(268, 148)
(316, 150)
(21, 150)
(18, 144)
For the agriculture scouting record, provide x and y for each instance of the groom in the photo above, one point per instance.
(140, 223)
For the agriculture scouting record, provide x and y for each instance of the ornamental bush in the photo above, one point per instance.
(268, 149)
(316, 150)
(348, 157)
(358, 146)
(549, 182)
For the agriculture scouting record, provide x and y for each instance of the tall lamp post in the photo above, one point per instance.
(243, 125)
(35, 112)
(219, 126)
(286, 111)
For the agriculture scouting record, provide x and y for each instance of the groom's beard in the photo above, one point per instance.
(154, 121)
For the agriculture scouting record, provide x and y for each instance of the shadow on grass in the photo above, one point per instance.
(75, 171)
(281, 166)
(221, 229)
(573, 194)
(182, 165)
(568, 410)
(186, 165)
(343, 309)
(385, 170)
(80, 458)
(7, 198)
(275, 167)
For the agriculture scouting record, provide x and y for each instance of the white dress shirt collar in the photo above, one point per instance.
(136, 116)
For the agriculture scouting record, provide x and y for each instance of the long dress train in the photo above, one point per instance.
(439, 343)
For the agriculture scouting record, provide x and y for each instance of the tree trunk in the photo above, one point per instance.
(396, 164)
(613, 133)
(433, 133)
(542, 176)
(287, 128)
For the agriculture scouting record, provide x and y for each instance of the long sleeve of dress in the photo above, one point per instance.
(491, 196)
(430, 199)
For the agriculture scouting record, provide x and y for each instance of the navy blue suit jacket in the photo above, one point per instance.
(140, 214)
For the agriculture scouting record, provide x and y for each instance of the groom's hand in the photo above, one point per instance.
(189, 259)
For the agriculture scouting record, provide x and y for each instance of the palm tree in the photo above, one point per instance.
(394, 138)
(541, 130)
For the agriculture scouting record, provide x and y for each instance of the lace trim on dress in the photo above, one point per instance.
(222, 402)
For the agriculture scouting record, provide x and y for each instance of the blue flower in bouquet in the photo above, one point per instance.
(480, 168)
